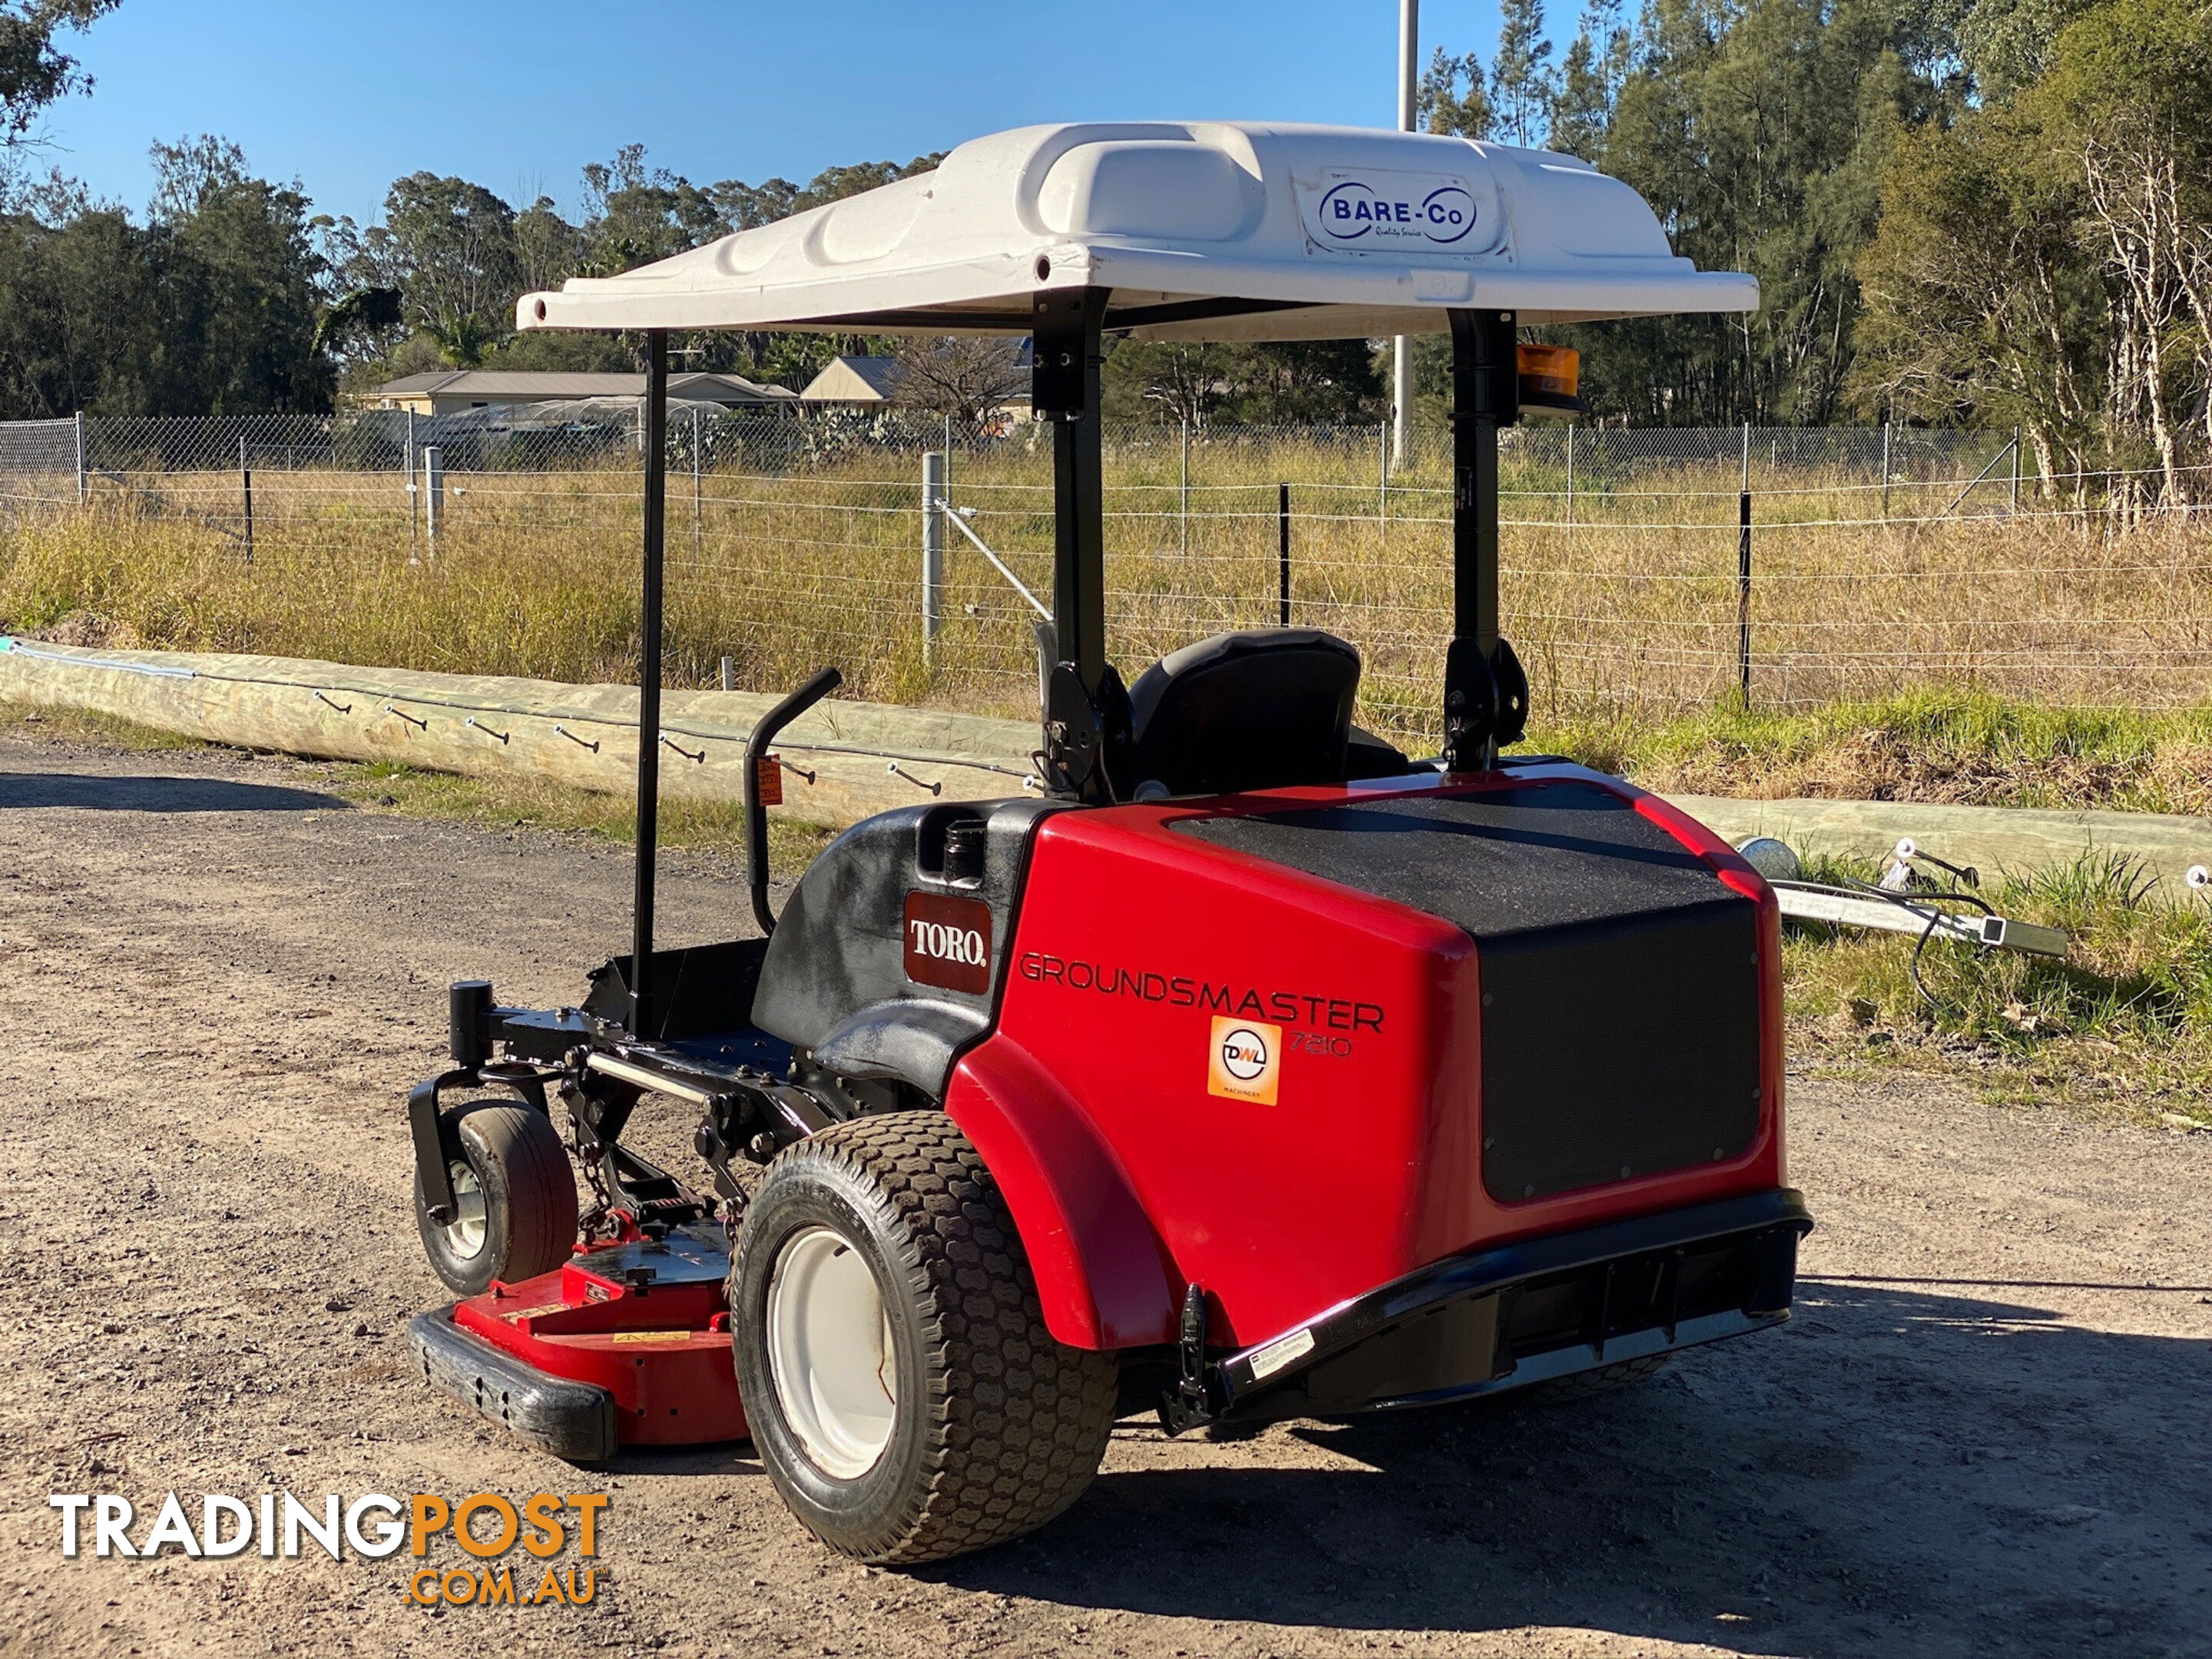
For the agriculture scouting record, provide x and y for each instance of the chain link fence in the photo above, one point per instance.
(1643, 567)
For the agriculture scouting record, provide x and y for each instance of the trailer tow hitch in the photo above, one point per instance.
(1191, 1405)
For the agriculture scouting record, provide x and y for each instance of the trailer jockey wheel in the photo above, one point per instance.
(514, 1197)
(902, 1390)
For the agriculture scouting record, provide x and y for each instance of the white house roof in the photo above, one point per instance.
(855, 379)
(1327, 233)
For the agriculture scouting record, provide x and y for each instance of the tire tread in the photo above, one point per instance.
(1020, 1422)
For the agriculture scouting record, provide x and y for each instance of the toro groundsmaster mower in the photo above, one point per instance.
(1249, 1069)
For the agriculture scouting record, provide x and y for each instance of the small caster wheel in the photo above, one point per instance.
(515, 1198)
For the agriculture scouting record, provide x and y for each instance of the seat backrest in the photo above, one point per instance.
(1243, 711)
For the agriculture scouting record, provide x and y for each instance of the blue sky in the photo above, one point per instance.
(519, 97)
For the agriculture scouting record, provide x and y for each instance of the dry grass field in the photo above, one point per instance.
(1623, 596)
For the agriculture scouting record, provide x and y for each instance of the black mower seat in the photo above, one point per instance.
(1261, 710)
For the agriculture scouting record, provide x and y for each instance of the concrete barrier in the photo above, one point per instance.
(585, 736)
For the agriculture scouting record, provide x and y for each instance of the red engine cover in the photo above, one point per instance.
(1287, 1070)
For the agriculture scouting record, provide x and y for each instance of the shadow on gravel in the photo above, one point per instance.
(1894, 1471)
(93, 794)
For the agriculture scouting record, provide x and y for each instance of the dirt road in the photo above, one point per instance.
(1989, 1430)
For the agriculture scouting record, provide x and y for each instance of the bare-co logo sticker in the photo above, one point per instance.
(1245, 1061)
(1369, 210)
(948, 941)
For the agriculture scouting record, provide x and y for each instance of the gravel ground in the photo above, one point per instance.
(1986, 1431)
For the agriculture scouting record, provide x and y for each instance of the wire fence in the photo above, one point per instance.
(1643, 567)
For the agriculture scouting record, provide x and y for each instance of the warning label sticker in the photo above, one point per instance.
(1245, 1060)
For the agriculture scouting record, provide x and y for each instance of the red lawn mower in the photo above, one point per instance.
(1251, 1070)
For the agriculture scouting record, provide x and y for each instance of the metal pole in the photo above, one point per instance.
(83, 488)
(655, 431)
(433, 492)
(1743, 593)
(1382, 473)
(1746, 485)
(698, 500)
(246, 477)
(729, 673)
(1885, 469)
(1186, 490)
(1283, 539)
(1570, 471)
(413, 512)
(1402, 354)
(2015, 469)
(932, 554)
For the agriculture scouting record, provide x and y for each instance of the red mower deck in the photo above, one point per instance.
(628, 1345)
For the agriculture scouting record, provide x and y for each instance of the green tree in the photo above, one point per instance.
(2049, 262)
(1759, 133)
(34, 72)
(453, 253)
(1521, 73)
(1449, 98)
(237, 290)
(1590, 77)
(76, 302)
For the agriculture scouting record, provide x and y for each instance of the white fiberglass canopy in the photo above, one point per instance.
(1202, 230)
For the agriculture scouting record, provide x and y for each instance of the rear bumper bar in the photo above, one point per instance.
(1535, 1310)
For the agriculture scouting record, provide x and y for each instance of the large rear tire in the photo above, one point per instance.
(903, 1393)
(515, 1211)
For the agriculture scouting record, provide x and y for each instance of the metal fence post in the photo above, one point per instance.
(433, 492)
(246, 480)
(2014, 507)
(1570, 471)
(413, 495)
(1382, 473)
(1743, 589)
(1283, 534)
(934, 510)
(1885, 469)
(698, 500)
(83, 489)
(1186, 488)
(729, 673)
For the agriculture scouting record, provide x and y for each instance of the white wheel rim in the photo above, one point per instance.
(829, 1352)
(464, 1233)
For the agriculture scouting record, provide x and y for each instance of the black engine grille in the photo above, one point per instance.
(1619, 977)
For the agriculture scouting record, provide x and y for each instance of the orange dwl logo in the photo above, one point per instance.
(1244, 1060)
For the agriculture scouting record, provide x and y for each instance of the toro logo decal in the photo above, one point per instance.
(1244, 1060)
(1374, 210)
(948, 941)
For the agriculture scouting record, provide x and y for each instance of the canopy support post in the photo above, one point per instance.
(654, 419)
(1485, 693)
(1086, 713)
(1066, 351)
